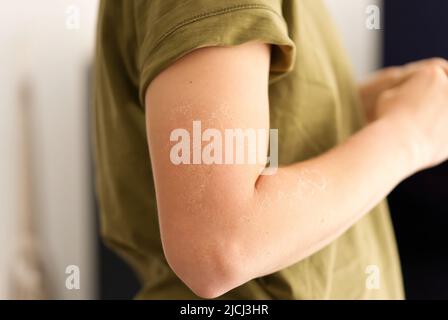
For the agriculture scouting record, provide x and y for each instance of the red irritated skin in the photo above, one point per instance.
(217, 236)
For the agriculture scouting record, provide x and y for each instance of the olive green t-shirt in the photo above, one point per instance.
(313, 104)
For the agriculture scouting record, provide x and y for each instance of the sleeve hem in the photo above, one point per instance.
(211, 14)
(210, 29)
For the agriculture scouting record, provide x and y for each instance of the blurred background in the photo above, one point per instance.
(49, 243)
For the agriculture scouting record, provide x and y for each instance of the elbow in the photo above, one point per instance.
(209, 287)
(208, 270)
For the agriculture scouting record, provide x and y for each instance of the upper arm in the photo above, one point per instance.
(198, 204)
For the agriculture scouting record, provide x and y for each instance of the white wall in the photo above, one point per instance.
(36, 45)
(363, 45)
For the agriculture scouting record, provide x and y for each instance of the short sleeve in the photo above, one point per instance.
(169, 29)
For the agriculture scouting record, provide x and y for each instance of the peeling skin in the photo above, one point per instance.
(220, 114)
(272, 221)
(194, 197)
(306, 183)
(311, 181)
(183, 109)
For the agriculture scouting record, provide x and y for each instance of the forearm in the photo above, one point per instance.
(307, 205)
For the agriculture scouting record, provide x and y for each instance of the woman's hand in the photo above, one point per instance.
(389, 78)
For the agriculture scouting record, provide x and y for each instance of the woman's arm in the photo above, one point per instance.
(223, 225)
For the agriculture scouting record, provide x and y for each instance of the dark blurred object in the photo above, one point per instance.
(417, 30)
(117, 281)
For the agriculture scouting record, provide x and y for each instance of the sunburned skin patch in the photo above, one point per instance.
(183, 109)
(194, 197)
(221, 112)
(308, 182)
(311, 181)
